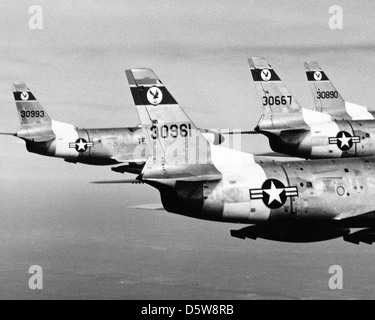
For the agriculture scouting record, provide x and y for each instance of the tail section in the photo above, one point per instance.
(29, 109)
(35, 122)
(281, 109)
(173, 139)
(326, 97)
(328, 100)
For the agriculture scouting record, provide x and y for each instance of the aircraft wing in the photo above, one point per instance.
(242, 132)
(127, 160)
(130, 181)
(150, 206)
(274, 154)
(35, 138)
(43, 138)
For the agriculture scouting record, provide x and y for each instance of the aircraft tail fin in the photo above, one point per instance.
(35, 122)
(171, 135)
(29, 109)
(281, 109)
(328, 100)
(326, 97)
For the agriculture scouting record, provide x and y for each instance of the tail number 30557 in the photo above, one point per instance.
(172, 131)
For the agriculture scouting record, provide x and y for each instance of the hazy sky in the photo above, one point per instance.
(75, 67)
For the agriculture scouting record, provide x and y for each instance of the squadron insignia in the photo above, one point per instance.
(265, 75)
(154, 95)
(317, 76)
(24, 96)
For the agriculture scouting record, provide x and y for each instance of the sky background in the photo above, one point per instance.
(87, 240)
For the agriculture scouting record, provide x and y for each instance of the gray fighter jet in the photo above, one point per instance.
(334, 129)
(299, 201)
(123, 147)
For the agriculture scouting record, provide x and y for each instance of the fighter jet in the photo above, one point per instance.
(123, 147)
(334, 129)
(296, 201)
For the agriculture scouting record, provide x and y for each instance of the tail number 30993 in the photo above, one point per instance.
(32, 113)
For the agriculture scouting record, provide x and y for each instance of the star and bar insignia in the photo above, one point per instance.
(81, 145)
(344, 140)
(273, 193)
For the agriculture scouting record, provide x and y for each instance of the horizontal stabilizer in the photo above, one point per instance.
(8, 134)
(182, 177)
(241, 132)
(150, 206)
(197, 177)
(123, 159)
(130, 167)
(275, 155)
(41, 138)
(132, 181)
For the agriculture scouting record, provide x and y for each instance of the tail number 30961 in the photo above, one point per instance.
(172, 131)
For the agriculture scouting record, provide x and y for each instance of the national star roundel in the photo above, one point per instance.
(344, 140)
(81, 145)
(273, 193)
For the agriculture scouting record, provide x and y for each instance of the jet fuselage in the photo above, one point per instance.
(92, 146)
(274, 192)
(329, 139)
